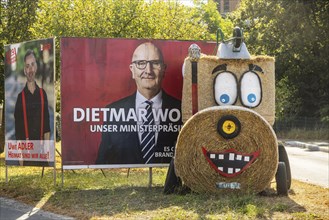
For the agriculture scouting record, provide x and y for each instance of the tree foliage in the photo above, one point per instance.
(127, 19)
(154, 19)
(16, 19)
(296, 33)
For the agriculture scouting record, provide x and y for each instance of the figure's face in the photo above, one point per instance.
(30, 68)
(147, 67)
(247, 83)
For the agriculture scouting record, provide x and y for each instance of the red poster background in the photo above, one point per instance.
(95, 72)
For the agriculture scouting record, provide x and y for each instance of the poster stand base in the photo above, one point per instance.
(72, 167)
(150, 176)
(42, 172)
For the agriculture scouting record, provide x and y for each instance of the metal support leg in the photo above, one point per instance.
(128, 171)
(62, 177)
(150, 177)
(54, 172)
(6, 174)
(103, 173)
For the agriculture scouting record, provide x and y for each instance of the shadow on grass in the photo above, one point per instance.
(26, 188)
(134, 200)
(88, 194)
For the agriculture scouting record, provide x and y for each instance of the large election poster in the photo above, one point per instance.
(30, 103)
(121, 100)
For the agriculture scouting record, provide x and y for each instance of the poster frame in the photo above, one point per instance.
(51, 163)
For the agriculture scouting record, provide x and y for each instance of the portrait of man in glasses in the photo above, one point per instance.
(152, 117)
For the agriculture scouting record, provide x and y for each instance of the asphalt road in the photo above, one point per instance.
(11, 209)
(309, 166)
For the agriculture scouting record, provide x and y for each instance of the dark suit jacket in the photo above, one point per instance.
(124, 148)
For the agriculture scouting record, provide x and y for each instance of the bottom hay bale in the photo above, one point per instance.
(226, 149)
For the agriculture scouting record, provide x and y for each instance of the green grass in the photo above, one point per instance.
(87, 194)
(302, 134)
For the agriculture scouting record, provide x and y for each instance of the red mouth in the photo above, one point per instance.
(230, 163)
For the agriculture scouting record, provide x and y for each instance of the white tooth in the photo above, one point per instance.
(237, 170)
(238, 157)
(231, 156)
(246, 158)
(221, 156)
(230, 170)
(212, 156)
(220, 168)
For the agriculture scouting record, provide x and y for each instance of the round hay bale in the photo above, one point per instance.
(244, 160)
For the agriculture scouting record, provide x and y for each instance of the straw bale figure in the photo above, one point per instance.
(227, 143)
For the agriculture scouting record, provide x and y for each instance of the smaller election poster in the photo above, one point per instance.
(30, 103)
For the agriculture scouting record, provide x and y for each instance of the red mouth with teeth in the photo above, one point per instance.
(230, 163)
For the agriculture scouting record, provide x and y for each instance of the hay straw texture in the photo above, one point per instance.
(200, 131)
(207, 64)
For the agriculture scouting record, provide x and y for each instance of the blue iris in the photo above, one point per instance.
(224, 98)
(251, 98)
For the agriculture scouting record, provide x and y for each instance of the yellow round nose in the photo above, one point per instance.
(229, 127)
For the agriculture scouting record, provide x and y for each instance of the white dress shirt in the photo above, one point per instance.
(140, 104)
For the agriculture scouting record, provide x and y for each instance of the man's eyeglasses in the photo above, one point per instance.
(141, 64)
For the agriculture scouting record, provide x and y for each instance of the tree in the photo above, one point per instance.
(16, 19)
(156, 19)
(211, 17)
(296, 33)
(128, 19)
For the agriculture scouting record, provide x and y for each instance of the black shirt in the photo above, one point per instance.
(33, 113)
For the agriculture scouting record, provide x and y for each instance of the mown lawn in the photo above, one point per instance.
(87, 194)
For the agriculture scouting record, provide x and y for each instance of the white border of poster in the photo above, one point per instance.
(101, 126)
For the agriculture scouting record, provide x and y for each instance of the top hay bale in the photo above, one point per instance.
(205, 84)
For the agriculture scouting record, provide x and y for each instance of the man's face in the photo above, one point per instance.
(147, 68)
(30, 68)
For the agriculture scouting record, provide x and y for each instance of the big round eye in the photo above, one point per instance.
(225, 89)
(251, 90)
